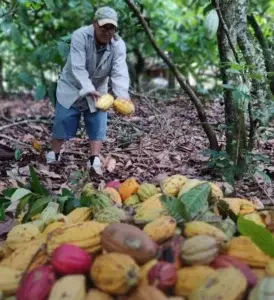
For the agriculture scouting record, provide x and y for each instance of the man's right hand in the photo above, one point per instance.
(95, 95)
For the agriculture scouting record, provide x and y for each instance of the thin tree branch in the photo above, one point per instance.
(195, 100)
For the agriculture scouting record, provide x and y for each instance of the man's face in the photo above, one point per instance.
(104, 33)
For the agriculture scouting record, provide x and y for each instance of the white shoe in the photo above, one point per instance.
(96, 166)
(51, 157)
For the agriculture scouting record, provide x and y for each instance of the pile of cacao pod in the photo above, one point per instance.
(128, 245)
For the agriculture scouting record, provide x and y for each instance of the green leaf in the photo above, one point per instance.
(62, 200)
(36, 208)
(36, 185)
(27, 79)
(19, 193)
(5, 202)
(71, 204)
(175, 207)
(52, 92)
(9, 192)
(265, 177)
(196, 200)
(67, 192)
(2, 212)
(63, 49)
(40, 92)
(23, 202)
(263, 238)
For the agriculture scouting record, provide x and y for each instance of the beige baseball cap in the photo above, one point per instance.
(106, 15)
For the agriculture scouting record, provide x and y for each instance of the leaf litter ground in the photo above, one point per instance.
(162, 138)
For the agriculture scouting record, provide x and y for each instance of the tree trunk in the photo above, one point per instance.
(269, 64)
(2, 90)
(235, 119)
(255, 65)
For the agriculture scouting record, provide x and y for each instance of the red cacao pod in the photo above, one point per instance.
(170, 251)
(163, 275)
(226, 261)
(70, 259)
(37, 284)
(114, 184)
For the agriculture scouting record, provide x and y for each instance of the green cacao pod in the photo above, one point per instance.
(147, 190)
(211, 23)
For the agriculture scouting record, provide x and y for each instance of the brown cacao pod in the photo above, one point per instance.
(147, 293)
(128, 239)
(161, 229)
(224, 284)
(115, 273)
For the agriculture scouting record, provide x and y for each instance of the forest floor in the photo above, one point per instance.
(162, 138)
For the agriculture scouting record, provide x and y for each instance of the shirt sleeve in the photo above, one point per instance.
(119, 75)
(78, 64)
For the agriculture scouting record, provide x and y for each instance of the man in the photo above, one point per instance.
(97, 55)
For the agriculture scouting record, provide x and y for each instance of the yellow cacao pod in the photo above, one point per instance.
(269, 269)
(244, 249)
(190, 278)
(70, 287)
(255, 217)
(5, 251)
(21, 235)
(86, 235)
(224, 284)
(216, 192)
(161, 229)
(9, 280)
(202, 228)
(234, 204)
(124, 107)
(172, 184)
(79, 214)
(189, 184)
(95, 294)
(246, 207)
(115, 273)
(150, 209)
(52, 226)
(113, 194)
(147, 292)
(200, 250)
(144, 270)
(132, 200)
(21, 257)
(146, 190)
(104, 102)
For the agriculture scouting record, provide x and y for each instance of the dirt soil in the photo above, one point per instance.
(162, 138)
